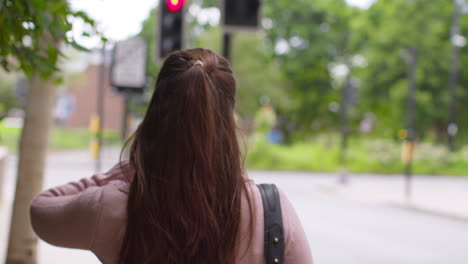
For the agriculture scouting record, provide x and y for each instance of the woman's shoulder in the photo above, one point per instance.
(297, 248)
(254, 192)
(255, 198)
(111, 223)
(115, 186)
(115, 194)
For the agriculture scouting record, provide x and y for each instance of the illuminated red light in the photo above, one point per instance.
(175, 5)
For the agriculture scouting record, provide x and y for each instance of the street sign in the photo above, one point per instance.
(128, 72)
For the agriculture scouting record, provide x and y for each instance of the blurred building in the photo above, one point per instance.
(78, 103)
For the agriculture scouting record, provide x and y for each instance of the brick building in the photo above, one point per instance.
(83, 88)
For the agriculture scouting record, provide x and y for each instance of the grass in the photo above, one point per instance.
(320, 154)
(363, 156)
(61, 138)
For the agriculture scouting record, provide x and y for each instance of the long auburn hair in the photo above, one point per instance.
(184, 201)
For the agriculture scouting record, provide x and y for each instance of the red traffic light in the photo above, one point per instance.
(175, 5)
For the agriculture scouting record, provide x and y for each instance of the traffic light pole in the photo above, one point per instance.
(227, 37)
(455, 31)
(125, 117)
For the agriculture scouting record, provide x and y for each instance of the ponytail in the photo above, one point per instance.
(184, 200)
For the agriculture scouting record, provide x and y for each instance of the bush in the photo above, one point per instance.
(363, 156)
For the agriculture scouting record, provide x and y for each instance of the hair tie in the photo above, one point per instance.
(199, 62)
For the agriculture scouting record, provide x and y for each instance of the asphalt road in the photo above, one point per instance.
(340, 230)
(345, 231)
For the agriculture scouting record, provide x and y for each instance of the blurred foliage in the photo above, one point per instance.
(8, 99)
(31, 32)
(366, 155)
(210, 3)
(390, 28)
(308, 38)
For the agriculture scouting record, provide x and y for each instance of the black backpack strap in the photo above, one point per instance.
(274, 235)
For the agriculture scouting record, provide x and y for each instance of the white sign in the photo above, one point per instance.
(129, 64)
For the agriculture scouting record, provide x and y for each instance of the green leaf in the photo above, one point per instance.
(49, 24)
(85, 17)
(58, 80)
(46, 64)
(79, 47)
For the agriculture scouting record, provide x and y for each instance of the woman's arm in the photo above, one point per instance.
(67, 215)
(69, 220)
(297, 249)
(121, 171)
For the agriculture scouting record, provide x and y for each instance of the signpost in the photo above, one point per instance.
(349, 98)
(408, 148)
(97, 120)
(128, 72)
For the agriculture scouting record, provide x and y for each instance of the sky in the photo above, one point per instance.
(120, 19)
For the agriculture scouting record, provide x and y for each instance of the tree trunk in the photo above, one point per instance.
(22, 247)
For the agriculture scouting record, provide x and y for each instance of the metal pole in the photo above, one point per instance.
(126, 114)
(227, 45)
(455, 31)
(344, 128)
(100, 107)
(411, 107)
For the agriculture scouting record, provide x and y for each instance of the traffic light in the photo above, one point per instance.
(171, 25)
(241, 14)
(174, 5)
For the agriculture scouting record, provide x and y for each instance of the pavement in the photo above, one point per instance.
(368, 220)
(445, 196)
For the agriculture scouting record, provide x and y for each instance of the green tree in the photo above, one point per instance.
(308, 38)
(31, 31)
(30, 38)
(394, 26)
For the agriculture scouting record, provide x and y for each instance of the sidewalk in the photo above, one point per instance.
(445, 196)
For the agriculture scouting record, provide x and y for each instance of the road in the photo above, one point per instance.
(346, 231)
(340, 230)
